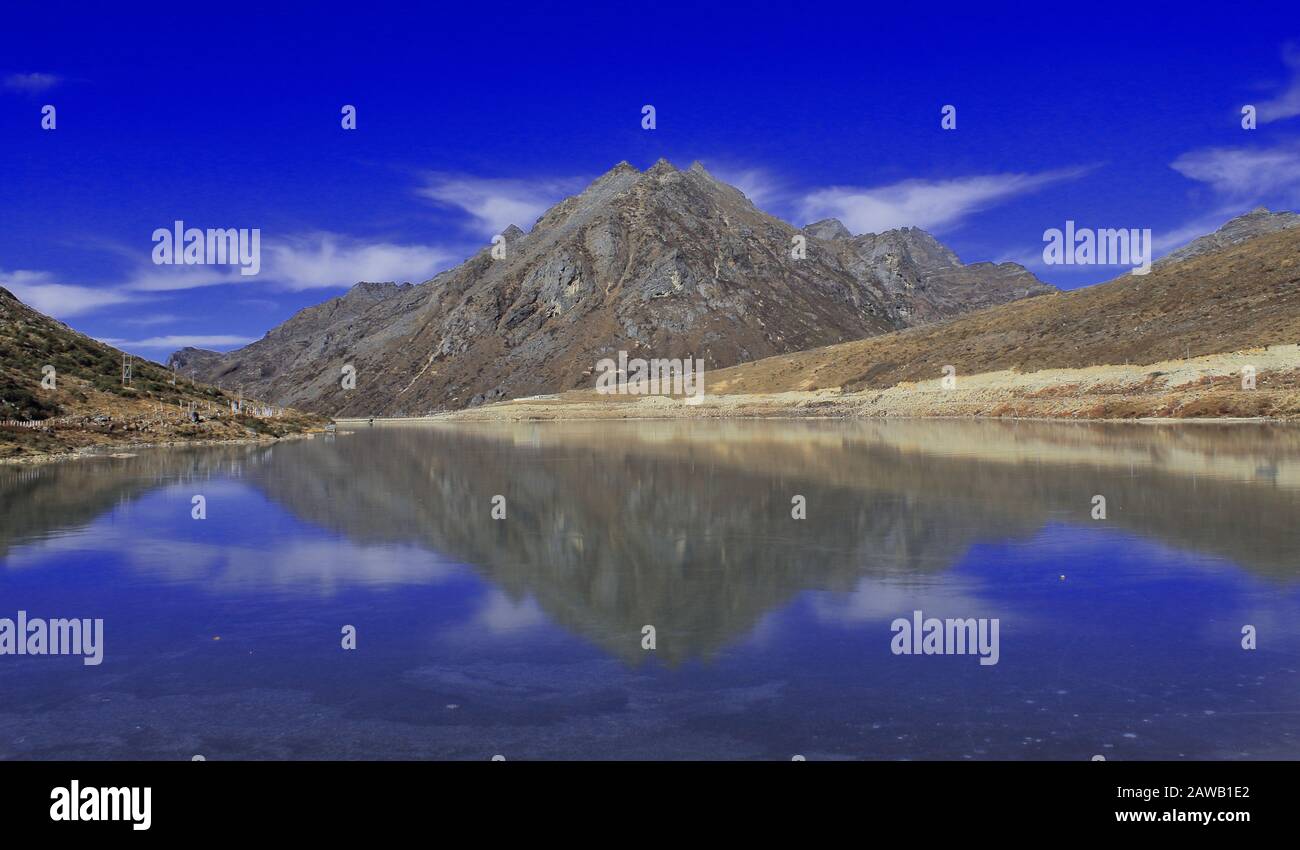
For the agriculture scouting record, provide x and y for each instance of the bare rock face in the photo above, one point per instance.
(828, 228)
(663, 263)
(923, 281)
(193, 361)
(1257, 222)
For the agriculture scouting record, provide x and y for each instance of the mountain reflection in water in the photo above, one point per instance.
(523, 636)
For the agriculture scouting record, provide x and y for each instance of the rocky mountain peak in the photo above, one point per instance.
(661, 167)
(191, 359)
(911, 244)
(828, 228)
(580, 206)
(665, 262)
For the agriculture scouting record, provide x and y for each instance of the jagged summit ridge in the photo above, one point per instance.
(829, 229)
(663, 262)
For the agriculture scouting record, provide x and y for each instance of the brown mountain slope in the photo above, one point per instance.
(662, 263)
(88, 404)
(1244, 296)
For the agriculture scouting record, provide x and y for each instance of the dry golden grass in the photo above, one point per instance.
(1245, 297)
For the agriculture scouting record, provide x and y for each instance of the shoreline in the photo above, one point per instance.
(109, 450)
(1207, 389)
(455, 418)
(1141, 420)
(1199, 389)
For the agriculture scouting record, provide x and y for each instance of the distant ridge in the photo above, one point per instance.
(1228, 294)
(1257, 222)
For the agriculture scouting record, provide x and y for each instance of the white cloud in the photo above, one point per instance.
(328, 260)
(153, 319)
(501, 614)
(495, 204)
(326, 567)
(308, 261)
(929, 204)
(151, 278)
(879, 600)
(34, 83)
(1286, 104)
(1245, 174)
(175, 341)
(40, 291)
(1240, 178)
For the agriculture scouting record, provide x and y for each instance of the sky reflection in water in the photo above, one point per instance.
(523, 637)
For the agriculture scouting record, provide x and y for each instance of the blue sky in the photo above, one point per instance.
(470, 118)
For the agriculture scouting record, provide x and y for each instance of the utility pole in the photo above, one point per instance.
(126, 369)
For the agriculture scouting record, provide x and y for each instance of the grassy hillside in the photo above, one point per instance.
(88, 405)
(1247, 296)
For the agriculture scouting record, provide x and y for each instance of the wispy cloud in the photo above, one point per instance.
(929, 204)
(494, 204)
(329, 260)
(312, 261)
(175, 341)
(1287, 103)
(33, 83)
(501, 614)
(151, 278)
(306, 261)
(41, 291)
(1239, 178)
(1245, 174)
(153, 319)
